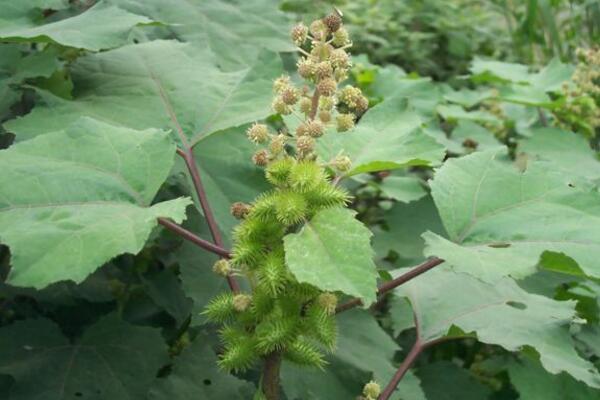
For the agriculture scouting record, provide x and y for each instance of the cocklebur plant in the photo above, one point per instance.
(278, 316)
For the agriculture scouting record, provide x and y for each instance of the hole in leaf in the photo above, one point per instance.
(499, 245)
(207, 382)
(78, 394)
(516, 304)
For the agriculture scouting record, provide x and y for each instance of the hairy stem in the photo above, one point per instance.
(394, 283)
(270, 378)
(417, 348)
(184, 233)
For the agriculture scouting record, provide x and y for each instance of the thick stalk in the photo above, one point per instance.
(394, 283)
(270, 378)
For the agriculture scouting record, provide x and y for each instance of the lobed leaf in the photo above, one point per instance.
(72, 200)
(501, 313)
(500, 220)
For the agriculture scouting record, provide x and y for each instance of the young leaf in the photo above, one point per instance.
(387, 137)
(500, 313)
(70, 201)
(112, 360)
(500, 220)
(333, 252)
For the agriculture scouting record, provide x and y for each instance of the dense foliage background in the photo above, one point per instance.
(473, 88)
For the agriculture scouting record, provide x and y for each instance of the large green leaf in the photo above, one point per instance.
(70, 201)
(500, 220)
(112, 360)
(195, 375)
(365, 352)
(500, 313)
(233, 30)
(160, 84)
(444, 380)
(404, 225)
(16, 65)
(566, 150)
(549, 79)
(387, 137)
(532, 382)
(26, 13)
(100, 27)
(332, 251)
(403, 188)
(502, 71)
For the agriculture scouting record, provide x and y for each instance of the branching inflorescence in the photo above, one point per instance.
(277, 316)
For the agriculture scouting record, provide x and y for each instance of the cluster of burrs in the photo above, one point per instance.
(275, 314)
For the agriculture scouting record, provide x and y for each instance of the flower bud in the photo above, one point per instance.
(290, 95)
(281, 83)
(340, 37)
(241, 302)
(342, 163)
(344, 122)
(372, 390)
(222, 267)
(277, 144)
(362, 105)
(261, 158)
(306, 68)
(302, 130)
(321, 51)
(318, 29)
(333, 22)
(327, 87)
(305, 144)
(349, 95)
(258, 133)
(280, 107)
(239, 210)
(314, 128)
(340, 75)
(325, 116)
(326, 103)
(323, 70)
(340, 59)
(299, 34)
(328, 301)
(305, 105)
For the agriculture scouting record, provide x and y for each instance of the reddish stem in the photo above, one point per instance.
(188, 156)
(314, 105)
(394, 283)
(184, 233)
(417, 348)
